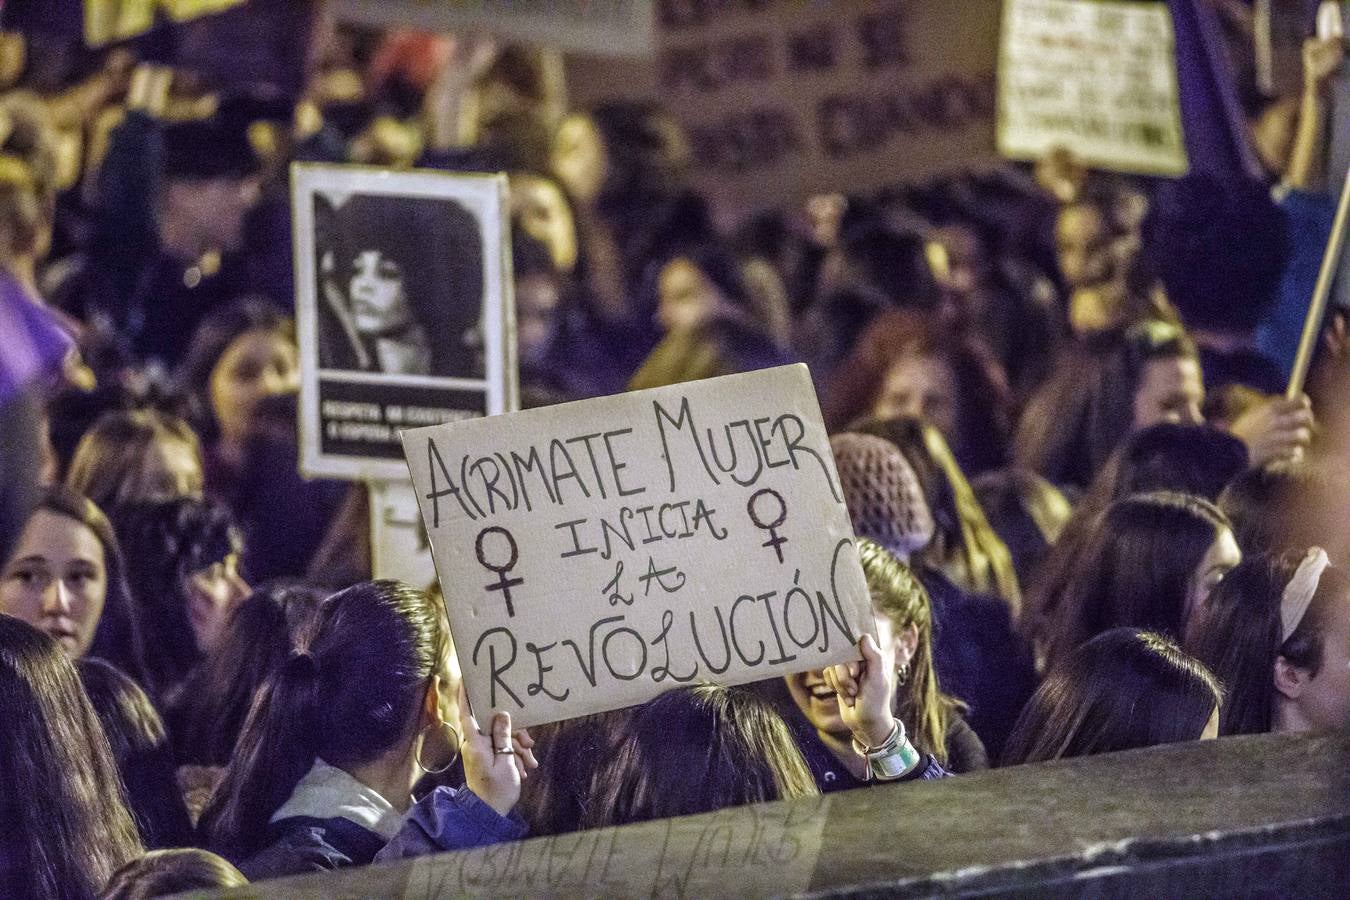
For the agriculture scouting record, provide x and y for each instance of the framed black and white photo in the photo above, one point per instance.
(404, 310)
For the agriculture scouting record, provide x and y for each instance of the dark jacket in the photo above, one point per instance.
(301, 844)
(979, 658)
(449, 819)
(446, 819)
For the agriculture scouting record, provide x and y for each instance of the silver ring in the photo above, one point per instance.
(506, 751)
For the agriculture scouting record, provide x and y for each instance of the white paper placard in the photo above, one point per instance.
(596, 554)
(601, 27)
(1097, 77)
(405, 310)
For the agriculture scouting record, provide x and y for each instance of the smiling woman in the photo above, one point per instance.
(933, 720)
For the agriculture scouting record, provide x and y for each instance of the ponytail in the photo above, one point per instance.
(347, 694)
(278, 745)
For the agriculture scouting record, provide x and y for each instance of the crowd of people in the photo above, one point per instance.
(1089, 518)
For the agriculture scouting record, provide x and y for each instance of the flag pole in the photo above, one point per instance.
(1312, 325)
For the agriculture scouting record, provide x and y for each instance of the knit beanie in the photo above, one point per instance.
(882, 493)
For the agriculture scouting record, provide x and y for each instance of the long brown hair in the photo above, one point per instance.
(983, 395)
(1134, 571)
(67, 827)
(1121, 690)
(919, 703)
(347, 694)
(1081, 413)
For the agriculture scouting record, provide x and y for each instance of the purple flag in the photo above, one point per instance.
(1212, 119)
(32, 344)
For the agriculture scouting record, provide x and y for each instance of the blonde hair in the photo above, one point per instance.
(110, 462)
(982, 554)
(898, 595)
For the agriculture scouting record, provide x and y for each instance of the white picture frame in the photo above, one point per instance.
(405, 310)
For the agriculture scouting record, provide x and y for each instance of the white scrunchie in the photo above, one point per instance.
(1299, 592)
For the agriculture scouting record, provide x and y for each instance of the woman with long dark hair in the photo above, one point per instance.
(240, 356)
(1105, 387)
(67, 828)
(1186, 459)
(1125, 379)
(67, 577)
(1121, 690)
(1277, 632)
(183, 566)
(206, 717)
(1149, 561)
(323, 772)
(934, 720)
(141, 748)
(694, 750)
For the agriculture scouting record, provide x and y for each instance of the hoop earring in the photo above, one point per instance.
(417, 754)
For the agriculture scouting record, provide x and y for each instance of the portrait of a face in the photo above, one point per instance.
(400, 284)
(378, 302)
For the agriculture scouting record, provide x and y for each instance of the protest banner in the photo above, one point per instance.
(601, 27)
(783, 99)
(404, 307)
(596, 554)
(101, 22)
(1097, 77)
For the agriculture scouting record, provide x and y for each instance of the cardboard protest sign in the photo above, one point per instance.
(601, 27)
(783, 99)
(404, 308)
(596, 554)
(1094, 76)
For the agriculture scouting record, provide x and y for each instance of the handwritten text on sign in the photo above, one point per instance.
(1099, 78)
(596, 554)
(782, 99)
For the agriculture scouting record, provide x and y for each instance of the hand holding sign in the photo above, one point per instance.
(866, 692)
(624, 539)
(495, 764)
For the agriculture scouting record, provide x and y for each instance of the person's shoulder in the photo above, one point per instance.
(965, 750)
(302, 844)
(450, 819)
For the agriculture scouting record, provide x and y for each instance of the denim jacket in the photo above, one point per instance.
(449, 819)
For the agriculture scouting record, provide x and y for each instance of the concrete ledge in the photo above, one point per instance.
(1251, 816)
